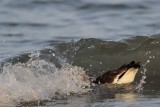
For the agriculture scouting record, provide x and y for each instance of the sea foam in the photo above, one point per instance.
(39, 80)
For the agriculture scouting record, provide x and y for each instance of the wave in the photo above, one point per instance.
(98, 56)
(68, 68)
(39, 80)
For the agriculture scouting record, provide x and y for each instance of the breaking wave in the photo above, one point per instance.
(68, 68)
(39, 80)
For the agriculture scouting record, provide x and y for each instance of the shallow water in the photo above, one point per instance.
(50, 50)
(61, 74)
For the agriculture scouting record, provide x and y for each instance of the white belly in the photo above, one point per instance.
(128, 77)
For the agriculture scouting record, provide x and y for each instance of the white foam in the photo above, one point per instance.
(40, 80)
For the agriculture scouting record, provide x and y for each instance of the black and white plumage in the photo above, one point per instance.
(123, 75)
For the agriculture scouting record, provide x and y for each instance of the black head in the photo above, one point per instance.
(133, 64)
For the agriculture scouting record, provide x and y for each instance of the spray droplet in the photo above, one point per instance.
(53, 54)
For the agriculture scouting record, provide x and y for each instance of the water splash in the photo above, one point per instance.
(70, 51)
(39, 80)
(140, 87)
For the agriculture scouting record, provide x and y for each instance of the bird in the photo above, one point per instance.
(123, 75)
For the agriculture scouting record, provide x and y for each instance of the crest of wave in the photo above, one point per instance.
(40, 80)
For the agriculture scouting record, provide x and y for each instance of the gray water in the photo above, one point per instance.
(46, 42)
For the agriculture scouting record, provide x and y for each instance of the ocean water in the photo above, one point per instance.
(51, 50)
